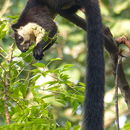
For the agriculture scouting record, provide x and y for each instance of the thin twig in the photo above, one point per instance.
(7, 84)
(6, 88)
(111, 47)
(116, 93)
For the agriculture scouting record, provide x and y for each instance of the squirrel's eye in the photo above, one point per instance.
(20, 38)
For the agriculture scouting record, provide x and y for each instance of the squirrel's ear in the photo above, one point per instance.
(15, 27)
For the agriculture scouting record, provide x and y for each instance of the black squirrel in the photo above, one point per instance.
(42, 13)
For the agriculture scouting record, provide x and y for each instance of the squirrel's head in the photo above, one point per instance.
(26, 35)
(22, 37)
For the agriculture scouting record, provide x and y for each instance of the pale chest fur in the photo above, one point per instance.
(32, 32)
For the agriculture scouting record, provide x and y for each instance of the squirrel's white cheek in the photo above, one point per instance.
(22, 43)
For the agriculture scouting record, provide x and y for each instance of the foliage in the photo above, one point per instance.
(33, 105)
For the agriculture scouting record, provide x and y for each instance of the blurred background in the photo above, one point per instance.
(49, 94)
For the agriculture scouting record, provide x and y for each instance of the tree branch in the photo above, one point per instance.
(111, 46)
(7, 84)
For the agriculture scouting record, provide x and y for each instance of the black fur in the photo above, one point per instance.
(94, 95)
(40, 14)
(94, 104)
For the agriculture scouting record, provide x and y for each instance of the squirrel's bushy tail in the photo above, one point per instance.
(94, 104)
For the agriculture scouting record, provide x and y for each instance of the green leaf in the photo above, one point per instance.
(39, 65)
(127, 126)
(68, 125)
(77, 127)
(56, 59)
(47, 96)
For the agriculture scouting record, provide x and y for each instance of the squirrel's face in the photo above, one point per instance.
(27, 35)
(24, 37)
(22, 42)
